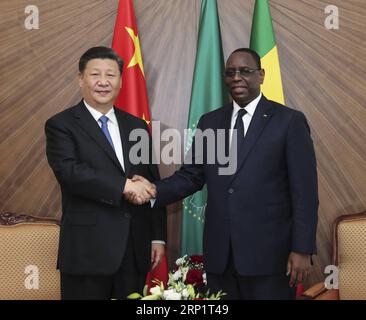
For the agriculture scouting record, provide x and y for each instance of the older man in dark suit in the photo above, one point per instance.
(260, 222)
(106, 243)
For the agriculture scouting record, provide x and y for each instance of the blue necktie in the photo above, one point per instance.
(103, 119)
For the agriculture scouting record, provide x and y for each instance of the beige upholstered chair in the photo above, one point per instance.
(349, 254)
(28, 254)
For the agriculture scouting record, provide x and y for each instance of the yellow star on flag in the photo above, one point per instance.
(143, 118)
(137, 58)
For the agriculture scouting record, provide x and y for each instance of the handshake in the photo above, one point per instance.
(139, 190)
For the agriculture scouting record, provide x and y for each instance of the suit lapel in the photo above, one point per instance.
(91, 127)
(226, 124)
(261, 117)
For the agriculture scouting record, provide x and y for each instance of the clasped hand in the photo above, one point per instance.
(139, 190)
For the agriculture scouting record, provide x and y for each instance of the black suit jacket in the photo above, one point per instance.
(96, 220)
(268, 207)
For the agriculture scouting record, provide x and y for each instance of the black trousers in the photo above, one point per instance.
(125, 281)
(237, 287)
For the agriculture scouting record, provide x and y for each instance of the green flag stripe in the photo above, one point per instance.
(209, 66)
(262, 38)
(208, 93)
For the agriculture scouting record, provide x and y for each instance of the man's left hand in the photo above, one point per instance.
(298, 266)
(157, 253)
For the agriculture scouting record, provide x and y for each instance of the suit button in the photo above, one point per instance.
(127, 215)
(107, 201)
(231, 190)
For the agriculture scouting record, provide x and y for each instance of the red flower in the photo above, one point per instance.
(196, 259)
(194, 277)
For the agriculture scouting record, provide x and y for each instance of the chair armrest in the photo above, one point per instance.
(320, 292)
(332, 294)
(314, 291)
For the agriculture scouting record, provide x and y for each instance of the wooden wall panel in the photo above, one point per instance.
(39, 78)
(323, 74)
(168, 35)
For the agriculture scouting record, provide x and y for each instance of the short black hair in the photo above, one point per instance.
(99, 53)
(254, 54)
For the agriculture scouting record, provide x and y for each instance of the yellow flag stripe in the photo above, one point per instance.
(272, 86)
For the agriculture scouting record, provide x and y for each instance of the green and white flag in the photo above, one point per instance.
(208, 93)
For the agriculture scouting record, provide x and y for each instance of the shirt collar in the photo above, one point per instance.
(250, 107)
(96, 114)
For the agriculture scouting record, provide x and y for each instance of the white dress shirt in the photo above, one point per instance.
(113, 129)
(247, 118)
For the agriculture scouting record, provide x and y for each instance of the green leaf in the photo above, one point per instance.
(134, 296)
(191, 291)
(151, 297)
(145, 291)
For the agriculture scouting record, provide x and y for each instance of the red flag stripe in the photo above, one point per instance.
(132, 97)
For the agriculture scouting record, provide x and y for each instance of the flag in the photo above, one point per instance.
(160, 273)
(208, 93)
(132, 97)
(263, 41)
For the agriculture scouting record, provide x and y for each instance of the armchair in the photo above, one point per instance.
(349, 255)
(28, 255)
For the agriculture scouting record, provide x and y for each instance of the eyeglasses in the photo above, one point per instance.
(243, 72)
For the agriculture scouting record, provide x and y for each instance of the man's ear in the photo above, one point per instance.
(262, 75)
(81, 77)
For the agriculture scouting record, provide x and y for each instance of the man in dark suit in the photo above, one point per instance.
(107, 245)
(260, 222)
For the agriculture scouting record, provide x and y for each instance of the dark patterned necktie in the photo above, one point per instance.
(239, 126)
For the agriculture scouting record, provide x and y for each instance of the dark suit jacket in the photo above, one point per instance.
(96, 220)
(268, 208)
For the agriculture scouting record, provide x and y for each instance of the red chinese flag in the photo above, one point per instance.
(132, 97)
(160, 273)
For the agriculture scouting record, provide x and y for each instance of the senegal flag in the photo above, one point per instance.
(263, 41)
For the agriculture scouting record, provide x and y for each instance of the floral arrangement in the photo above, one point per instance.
(186, 282)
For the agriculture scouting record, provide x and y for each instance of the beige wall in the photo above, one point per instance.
(323, 73)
